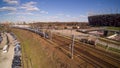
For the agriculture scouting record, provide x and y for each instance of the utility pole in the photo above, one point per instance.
(44, 34)
(72, 46)
(107, 47)
(51, 35)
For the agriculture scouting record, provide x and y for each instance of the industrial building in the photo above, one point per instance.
(104, 20)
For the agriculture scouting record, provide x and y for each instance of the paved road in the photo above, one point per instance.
(6, 58)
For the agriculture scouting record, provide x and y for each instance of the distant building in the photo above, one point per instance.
(105, 20)
(20, 26)
(60, 25)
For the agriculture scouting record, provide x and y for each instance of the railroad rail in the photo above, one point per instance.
(83, 52)
(96, 57)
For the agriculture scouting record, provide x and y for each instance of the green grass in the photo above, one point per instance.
(113, 28)
(110, 48)
(33, 55)
(109, 41)
(114, 49)
(39, 54)
(101, 45)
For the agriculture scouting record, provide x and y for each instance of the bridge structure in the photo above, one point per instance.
(104, 30)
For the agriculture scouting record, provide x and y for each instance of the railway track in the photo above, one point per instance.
(114, 56)
(102, 55)
(110, 58)
(91, 55)
(65, 45)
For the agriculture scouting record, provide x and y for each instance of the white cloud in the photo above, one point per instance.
(24, 9)
(8, 9)
(11, 1)
(55, 17)
(52, 17)
(64, 15)
(83, 16)
(30, 6)
(67, 15)
(23, 13)
(60, 14)
(43, 12)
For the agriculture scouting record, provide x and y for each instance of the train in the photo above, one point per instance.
(16, 62)
(1, 38)
(39, 32)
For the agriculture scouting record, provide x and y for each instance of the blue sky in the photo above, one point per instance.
(55, 10)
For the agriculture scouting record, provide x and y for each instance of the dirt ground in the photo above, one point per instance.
(68, 32)
(38, 53)
(6, 58)
(3, 41)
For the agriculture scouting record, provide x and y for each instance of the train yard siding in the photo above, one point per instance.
(37, 53)
(106, 60)
(90, 51)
